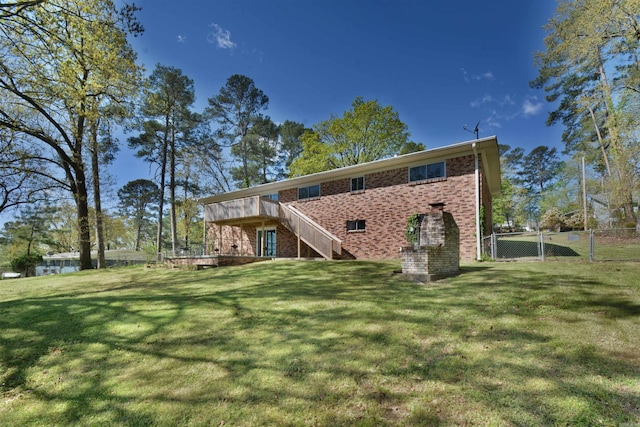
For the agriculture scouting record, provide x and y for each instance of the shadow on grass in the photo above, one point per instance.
(527, 249)
(326, 335)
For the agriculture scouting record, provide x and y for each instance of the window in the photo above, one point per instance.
(357, 184)
(273, 196)
(309, 192)
(424, 172)
(357, 225)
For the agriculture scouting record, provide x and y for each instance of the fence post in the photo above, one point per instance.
(494, 246)
(591, 245)
(541, 245)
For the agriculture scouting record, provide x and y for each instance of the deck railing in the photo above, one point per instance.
(310, 232)
(247, 207)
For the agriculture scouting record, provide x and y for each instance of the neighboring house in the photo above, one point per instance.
(360, 211)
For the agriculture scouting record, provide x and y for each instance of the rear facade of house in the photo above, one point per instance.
(361, 211)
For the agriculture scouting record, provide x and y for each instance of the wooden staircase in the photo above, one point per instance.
(310, 232)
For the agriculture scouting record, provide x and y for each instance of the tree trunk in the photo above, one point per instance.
(95, 170)
(622, 191)
(245, 162)
(172, 191)
(600, 142)
(186, 219)
(163, 172)
(84, 229)
(138, 233)
(80, 192)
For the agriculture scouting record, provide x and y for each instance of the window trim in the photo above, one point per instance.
(356, 178)
(357, 223)
(426, 172)
(307, 188)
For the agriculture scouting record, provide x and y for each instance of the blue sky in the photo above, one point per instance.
(441, 65)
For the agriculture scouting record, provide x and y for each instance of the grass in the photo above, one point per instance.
(618, 245)
(323, 343)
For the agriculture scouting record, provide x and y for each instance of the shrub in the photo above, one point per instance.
(553, 219)
(26, 263)
(412, 232)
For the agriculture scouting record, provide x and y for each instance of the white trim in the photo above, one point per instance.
(487, 146)
(356, 221)
(307, 187)
(364, 183)
(426, 172)
(263, 230)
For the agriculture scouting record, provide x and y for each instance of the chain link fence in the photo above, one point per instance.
(592, 245)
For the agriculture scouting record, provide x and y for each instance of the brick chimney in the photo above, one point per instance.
(432, 228)
(438, 252)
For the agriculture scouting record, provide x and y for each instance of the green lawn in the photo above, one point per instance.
(619, 245)
(323, 343)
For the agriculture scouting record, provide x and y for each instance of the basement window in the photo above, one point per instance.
(357, 225)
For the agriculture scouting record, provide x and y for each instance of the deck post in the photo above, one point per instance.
(298, 234)
(241, 239)
(261, 242)
(204, 237)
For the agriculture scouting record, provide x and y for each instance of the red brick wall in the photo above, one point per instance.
(385, 205)
(221, 240)
(244, 239)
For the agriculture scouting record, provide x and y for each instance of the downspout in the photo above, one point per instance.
(477, 185)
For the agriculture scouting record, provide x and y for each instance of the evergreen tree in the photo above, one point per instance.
(137, 201)
(167, 124)
(236, 108)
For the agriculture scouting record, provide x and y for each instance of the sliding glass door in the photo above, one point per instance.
(266, 242)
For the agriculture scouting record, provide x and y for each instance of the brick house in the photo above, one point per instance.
(361, 211)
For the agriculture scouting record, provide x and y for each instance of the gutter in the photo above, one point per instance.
(477, 185)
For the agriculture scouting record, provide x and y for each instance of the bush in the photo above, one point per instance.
(553, 219)
(412, 232)
(26, 263)
(575, 221)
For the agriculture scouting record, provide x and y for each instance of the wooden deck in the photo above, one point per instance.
(257, 208)
(212, 260)
(248, 208)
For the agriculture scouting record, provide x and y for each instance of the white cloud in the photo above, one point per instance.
(493, 121)
(476, 77)
(182, 39)
(484, 76)
(531, 107)
(220, 37)
(484, 100)
(507, 100)
(465, 75)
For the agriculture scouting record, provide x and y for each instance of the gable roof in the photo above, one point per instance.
(487, 147)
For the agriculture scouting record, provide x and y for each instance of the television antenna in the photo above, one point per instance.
(474, 131)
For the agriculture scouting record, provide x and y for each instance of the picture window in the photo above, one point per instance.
(425, 172)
